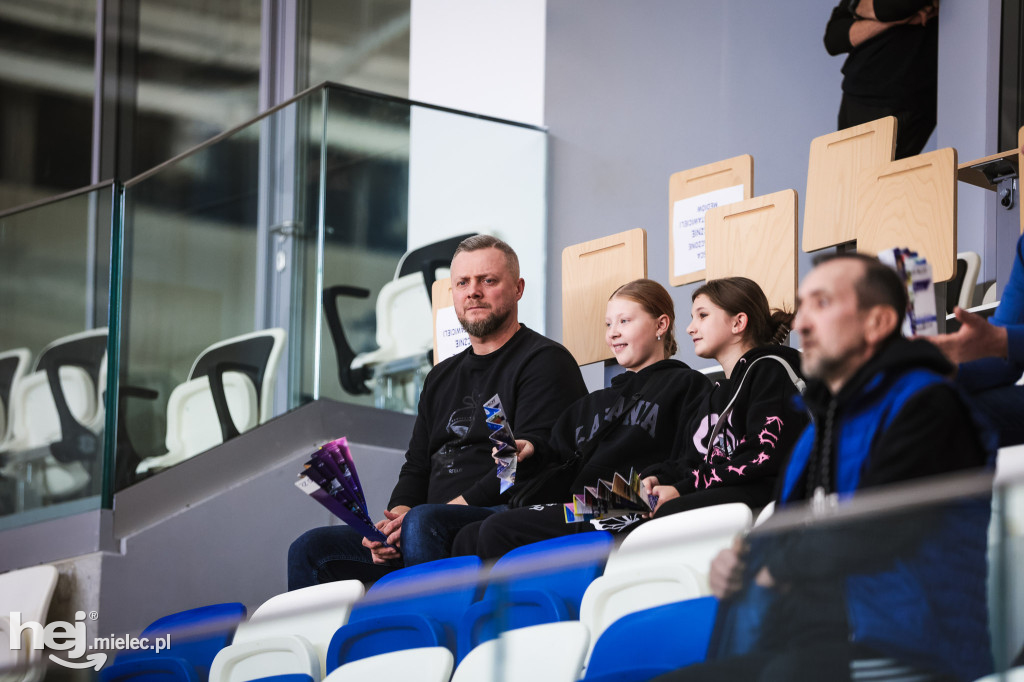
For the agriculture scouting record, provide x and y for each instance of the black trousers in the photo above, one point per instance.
(913, 125)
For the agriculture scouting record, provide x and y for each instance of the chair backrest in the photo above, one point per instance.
(591, 271)
(404, 324)
(427, 259)
(756, 238)
(256, 354)
(384, 633)
(582, 557)
(765, 513)
(971, 263)
(911, 203)
(422, 664)
(313, 612)
(262, 658)
(552, 652)
(13, 366)
(85, 354)
(835, 163)
(193, 422)
(195, 637)
(27, 591)
(441, 590)
(616, 595)
(647, 643)
(691, 538)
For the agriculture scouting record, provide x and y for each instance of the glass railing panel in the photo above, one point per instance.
(362, 210)
(202, 236)
(54, 284)
(920, 577)
(399, 177)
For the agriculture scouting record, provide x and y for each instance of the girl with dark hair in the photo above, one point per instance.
(748, 423)
(634, 423)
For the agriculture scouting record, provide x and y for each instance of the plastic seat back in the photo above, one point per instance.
(615, 595)
(645, 644)
(552, 652)
(691, 538)
(27, 591)
(195, 636)
(260, 658)
(313, 613)
(381, 634)
(441, 590)
(422, 664)
(229, 391)
(192, 421)
(257, 355)
(542, 582)
(13, 366)
(575, 560)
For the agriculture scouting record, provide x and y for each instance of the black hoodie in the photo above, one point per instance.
(651, 431)
(757, 436)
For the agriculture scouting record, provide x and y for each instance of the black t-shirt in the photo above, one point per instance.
(450, 452)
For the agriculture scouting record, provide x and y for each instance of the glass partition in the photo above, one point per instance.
(913, 581)
(331, 199)
(401, 179)
(229, 252)
(54, 284)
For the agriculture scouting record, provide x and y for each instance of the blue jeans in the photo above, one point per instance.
(334, 553)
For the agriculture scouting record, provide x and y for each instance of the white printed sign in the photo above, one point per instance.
(451, 337)
(688, 226)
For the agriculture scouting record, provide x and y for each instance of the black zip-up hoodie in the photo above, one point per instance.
(758, 435)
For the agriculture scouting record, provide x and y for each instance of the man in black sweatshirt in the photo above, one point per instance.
(892, 68)
(449, 477)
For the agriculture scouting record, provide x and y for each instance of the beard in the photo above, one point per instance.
(487, 326)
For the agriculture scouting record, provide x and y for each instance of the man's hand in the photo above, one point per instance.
(524, 450)
(391, 526)
(459, 500)
(977, 338)
(726, 576)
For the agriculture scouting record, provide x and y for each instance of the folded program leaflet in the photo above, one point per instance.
(330, 478)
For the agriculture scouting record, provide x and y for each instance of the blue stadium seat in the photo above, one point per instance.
(521, 593)
(669, 637)
(196, 635)
(417, 606)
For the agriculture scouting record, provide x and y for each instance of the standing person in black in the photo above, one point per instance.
(635, 422)
(748, 422)
(449, 478)
(892, 67)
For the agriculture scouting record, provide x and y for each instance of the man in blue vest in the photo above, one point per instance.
(895, 596)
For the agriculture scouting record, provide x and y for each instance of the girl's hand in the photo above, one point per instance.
(664, 494)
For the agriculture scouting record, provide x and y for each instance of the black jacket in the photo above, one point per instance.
(896, 68)
(757, 436)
